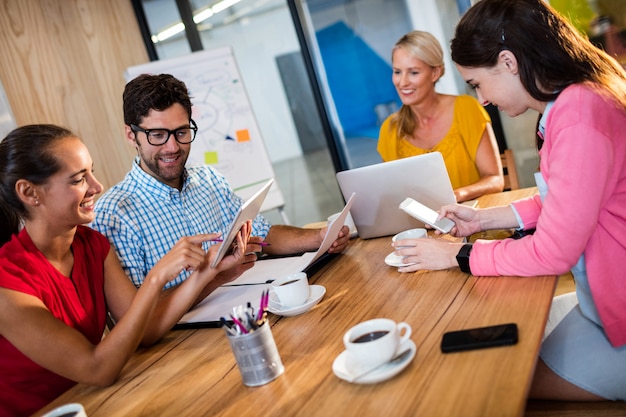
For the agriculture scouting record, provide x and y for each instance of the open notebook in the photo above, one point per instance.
(251, 284)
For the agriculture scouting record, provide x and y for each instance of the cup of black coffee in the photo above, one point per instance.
(371, 336)
(374, 342)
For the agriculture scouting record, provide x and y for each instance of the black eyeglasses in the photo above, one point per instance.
(157, 137)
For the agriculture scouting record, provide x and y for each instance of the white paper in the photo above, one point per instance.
(220, 303)
(251, 284)
(270, 269)
(278, 267)
(333, 229)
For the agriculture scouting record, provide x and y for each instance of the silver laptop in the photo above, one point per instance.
(380, 189)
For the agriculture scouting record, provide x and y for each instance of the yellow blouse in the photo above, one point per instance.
(458, 146)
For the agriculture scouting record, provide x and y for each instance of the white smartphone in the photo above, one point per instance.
(426, 214)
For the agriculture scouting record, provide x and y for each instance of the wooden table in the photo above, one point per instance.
(193, 372)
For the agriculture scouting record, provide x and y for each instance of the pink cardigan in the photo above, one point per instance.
(583, 161)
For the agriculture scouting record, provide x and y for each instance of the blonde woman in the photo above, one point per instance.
(457, 126)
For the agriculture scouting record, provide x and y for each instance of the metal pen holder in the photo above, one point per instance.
(257, 356)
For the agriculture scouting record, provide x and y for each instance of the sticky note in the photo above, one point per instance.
(243, 135)
(210, 158)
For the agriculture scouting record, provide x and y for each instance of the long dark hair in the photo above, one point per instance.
(551, 53)
(25, 153)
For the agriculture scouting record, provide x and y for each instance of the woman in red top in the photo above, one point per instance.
(58, 279)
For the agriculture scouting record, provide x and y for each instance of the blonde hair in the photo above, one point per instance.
(423, 46)
(426, 48)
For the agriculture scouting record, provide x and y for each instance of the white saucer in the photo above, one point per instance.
(343, 369)
(316, 292)
(394, 260)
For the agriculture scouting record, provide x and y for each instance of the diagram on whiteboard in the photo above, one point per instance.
(228, 136)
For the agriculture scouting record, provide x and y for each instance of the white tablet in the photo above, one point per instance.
(247, 211)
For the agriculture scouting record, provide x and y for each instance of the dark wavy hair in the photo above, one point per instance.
(25, 153)
(153, 92)
(551, 53)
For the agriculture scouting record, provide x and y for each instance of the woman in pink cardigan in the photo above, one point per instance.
(520, 55)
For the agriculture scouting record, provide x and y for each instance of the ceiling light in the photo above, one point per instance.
(199, 17)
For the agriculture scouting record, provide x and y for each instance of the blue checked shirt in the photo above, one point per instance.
(143, 218)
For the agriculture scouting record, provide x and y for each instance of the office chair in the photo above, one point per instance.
(511, 181)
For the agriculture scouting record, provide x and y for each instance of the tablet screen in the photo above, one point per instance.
(247, 211)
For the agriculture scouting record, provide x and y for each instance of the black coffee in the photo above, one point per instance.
(70, 414)
(289, 282)
(368, 337)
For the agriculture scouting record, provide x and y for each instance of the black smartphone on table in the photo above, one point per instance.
(480, 337)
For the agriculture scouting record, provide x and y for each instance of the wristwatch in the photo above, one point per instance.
(463, 258)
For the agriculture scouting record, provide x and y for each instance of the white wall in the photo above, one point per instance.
(439, 18)
(7, 121)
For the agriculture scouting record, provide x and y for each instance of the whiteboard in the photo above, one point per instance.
(7, 121)
(229, 138)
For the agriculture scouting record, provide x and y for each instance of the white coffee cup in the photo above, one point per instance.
(291, 290)
(410, 234)
(347, 222)
(67, 410)
(374, 342)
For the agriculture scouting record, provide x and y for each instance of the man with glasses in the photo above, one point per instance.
(161, 201)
